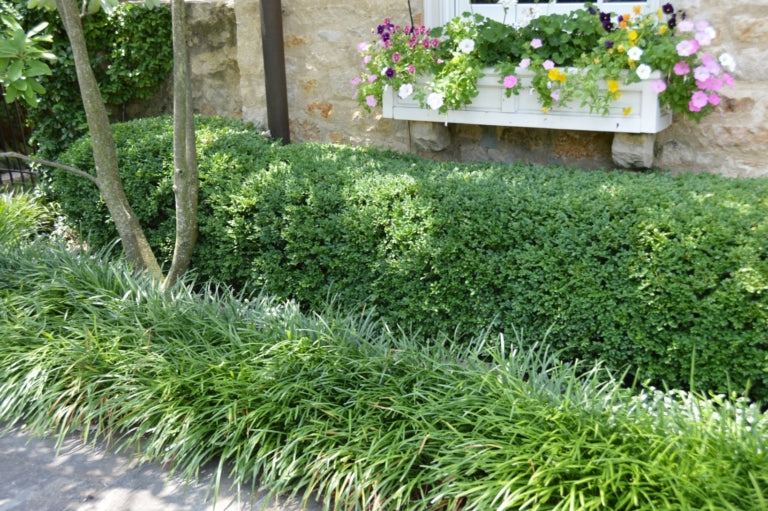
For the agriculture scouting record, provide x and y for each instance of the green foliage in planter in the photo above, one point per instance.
(131, 54)
(650, 271)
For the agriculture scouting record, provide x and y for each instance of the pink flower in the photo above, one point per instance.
(728, 79)
(713, 99)
(372, 78)
(366, 60)
(396, 57)
(354, 81)
(685, 26)
(536, 43)
(370, 100)
(555, 95)
(510, 81)
(687, 47)
(658, 86)
(712, 83)
(548, 64)
(363, 46)
(435, 42)
(412, 69)
(701, 73)
(425, 42)
(525, 63)
(698, 101)
(681, 68)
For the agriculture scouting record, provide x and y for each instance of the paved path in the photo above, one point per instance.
(85, 478)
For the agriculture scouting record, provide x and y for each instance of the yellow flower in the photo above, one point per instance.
(561, 77)
(597, 60)
(663, 29)
(613, 86)
(627, 110)
(632, 35)
(637, 9)
(545, 109)
(660, 13)
(553, 74)
(616, 96)
(621, 48)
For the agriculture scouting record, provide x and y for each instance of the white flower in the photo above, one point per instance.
(644, 71)
(507, 4)
(405, 90)
(728, 62)
(635, 53)
(435, 100)
(466, 45)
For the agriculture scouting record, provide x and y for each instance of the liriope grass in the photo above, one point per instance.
(365, 416)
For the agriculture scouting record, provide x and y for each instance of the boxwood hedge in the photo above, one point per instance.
(667, 276)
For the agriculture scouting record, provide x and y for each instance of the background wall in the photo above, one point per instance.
(321, 59)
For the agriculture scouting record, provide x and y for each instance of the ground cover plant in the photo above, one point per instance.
(657, 273)
(339, 404)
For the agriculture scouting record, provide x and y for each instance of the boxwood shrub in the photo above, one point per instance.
(664, 275)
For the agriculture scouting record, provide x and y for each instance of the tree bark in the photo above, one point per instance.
(135, 245)
(185, 179)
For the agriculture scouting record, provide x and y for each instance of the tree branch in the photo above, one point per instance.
(51, 164)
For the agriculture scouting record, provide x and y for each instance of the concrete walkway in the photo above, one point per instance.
(86, 478)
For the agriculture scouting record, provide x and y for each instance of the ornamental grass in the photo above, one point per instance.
(346, 408)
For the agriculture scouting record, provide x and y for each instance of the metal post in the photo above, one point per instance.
(274, 69)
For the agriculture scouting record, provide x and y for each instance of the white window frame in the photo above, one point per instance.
(439, 12)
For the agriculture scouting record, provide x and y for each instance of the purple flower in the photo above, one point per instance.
(609, 44)
(592, 10)
(604, 16)
(667, 8)
(608, 26)
(672, 23)
(389, 72)
(510, 81)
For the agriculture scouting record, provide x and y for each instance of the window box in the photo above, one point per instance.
(636, 111)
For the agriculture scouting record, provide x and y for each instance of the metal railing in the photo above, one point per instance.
(13, 138)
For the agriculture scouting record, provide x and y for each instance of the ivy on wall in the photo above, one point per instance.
(131, 52)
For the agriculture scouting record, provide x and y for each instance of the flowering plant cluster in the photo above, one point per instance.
(584, 57)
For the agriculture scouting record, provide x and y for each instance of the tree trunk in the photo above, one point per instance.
(185, 179)
(135, 245)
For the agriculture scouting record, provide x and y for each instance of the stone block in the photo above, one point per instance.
(430, 136)
(633, 150)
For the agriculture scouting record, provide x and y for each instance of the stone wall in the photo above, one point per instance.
(320, 39)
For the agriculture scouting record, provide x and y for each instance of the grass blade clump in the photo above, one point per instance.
(367, 417)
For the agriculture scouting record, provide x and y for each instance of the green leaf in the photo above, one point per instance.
(37, 68)
(37, 29)
(7, 49)
(15, 70)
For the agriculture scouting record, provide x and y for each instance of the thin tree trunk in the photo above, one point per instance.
(185, 180)
(135, 245)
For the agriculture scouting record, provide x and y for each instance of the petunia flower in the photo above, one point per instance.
(510, 81)
(687, 47)
(728, 62)
(555, 95)
(658, 86)
(701, 73)
(685, 26)
(370, 100)
(713, 99)
(698, 101)
(466, 46)
(435, 100)
(635, 53)
(372, 78)
(681, 68)
(405, 91)
(643, 71)
(728, 79)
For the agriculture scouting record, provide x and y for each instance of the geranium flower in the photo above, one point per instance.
(643, 71)
(635, 53)
(435, 100)
(510, 81)
(405, 91)
(658, 86)
(536, 43)
(466, 45)
(687, 47)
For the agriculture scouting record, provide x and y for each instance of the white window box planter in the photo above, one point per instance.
(492, 107)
